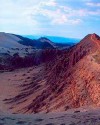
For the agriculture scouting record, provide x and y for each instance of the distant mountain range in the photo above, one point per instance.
(47, 42)
(8, 40)
(15, 47)
(56, 39)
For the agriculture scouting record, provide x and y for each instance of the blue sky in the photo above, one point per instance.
(68, 18)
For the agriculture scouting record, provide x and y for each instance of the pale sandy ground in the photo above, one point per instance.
(90, 117)
(10, 82)
(8, 86)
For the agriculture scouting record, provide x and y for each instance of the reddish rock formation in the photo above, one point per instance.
(71, 80)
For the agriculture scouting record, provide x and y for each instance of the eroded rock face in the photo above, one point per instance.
(69, 81)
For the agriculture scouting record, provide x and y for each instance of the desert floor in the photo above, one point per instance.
(71, 117)
(8, 87)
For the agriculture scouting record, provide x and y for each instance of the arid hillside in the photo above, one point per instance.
(70, 80)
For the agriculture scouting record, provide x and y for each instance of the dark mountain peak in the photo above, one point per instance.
(44, 39)
(96, 36)
(91, 35)
(90, 39)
